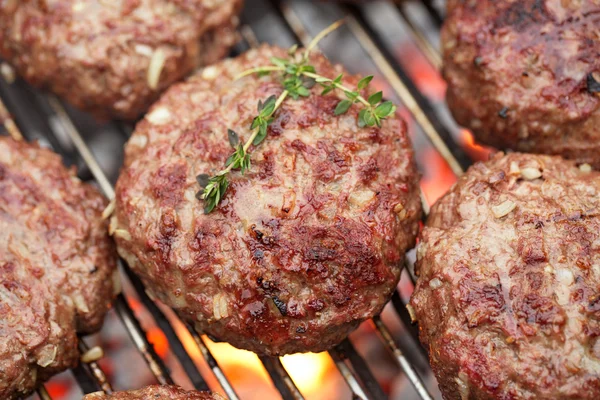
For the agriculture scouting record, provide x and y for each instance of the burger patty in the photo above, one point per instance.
(304, 246)
(57, 266)
(113, 58)
(508, 295)
(525, 75)
(155, 392)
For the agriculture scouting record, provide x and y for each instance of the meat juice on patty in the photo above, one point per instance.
(304, 246)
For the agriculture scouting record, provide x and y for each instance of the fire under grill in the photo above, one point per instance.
(398, 43)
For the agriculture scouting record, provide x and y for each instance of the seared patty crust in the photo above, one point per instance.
(525, 75)
(155, 392)
(304, 246)
(508, 294)
(56, 266)
(114, 58)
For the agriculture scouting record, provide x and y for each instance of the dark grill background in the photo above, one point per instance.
(144, 342)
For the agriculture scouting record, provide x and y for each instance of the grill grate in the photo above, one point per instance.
(289, 28)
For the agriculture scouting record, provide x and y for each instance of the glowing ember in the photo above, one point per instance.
(308, 370)
(438, 176)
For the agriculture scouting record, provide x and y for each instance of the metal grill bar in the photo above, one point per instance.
(214, 365)
(406, 366)
(346, 350)
(94, 369)
(424, 44)
(140, 340)
(163, 323)
(43, 393)
(283, 382)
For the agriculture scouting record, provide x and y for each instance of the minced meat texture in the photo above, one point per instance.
(525, 75)
(114, 58)
(57, 266)
(305, 245)
(155, 392)
(508, 290)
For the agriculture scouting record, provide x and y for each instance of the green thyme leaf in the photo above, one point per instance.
(292, 50)
(262, 134)
(327, 89)
(351, 95)
(385, 109)
(233, 137)
(202, 180)
(375, 98)
(361, 118)
(342, 107)
(268, 106)
(263, 73)
(364, 82)
(256, 122)
(369, 118)
(338, 78)
(280, 62)
(302, 91)
(322, 79)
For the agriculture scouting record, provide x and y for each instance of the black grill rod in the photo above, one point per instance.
(84, 379)
(138, 336)
(93, 370)
(346, 350)
(213, 364)
(43, 393)
(133, 326)
(428, 49)
(18, 101)
(436, 15)
(282, 381)
(163, 323)
(401, 359)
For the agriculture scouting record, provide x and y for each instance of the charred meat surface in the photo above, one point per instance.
(114, 58)
(57, 266)
(508, 294)
(155, 392)
(525, 75)
(305, 245)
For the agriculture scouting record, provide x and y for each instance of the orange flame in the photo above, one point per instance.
(476, 151)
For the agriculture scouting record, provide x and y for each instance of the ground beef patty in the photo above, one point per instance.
(525, 75)
(56, 266)
(304, 246)
(508, 295)
(113, 58)
(155, 392)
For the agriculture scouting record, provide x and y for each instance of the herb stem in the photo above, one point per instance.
(337, 85)
(321, 35)
(280, 100)
(257, 70)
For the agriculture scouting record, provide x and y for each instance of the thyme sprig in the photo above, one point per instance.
(214, 188)
(298, 77)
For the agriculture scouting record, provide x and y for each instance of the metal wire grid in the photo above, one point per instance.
(351, 365)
